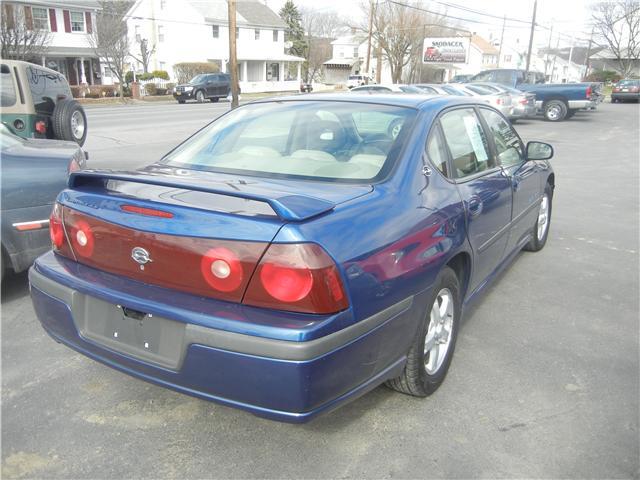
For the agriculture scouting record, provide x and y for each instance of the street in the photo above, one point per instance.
(544, 381)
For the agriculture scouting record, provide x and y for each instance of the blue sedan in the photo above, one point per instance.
(296, 252)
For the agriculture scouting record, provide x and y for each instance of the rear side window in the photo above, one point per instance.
(504, 76)
(437, 153)
(467, 142)
(7, 90)
(505, 138)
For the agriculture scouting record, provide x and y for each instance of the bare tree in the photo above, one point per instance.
(109, 39)
(20, 38)
(320, 28)
(617, 22)
(399, 30)
(144, 54)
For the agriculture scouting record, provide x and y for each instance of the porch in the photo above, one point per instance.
(80, 66)
(279, 74)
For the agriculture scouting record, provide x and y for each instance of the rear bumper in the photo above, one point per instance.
(626, 95)
(284, 380)
(523, 111)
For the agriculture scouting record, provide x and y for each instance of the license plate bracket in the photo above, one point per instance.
(132, 332)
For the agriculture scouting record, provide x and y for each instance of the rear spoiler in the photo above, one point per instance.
(291, 208)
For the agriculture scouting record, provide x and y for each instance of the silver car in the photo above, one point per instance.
(500, 100)
(396, 88)
(523, 103)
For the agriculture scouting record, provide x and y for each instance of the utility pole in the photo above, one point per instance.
(555, 56)
(504, 20)
(586, 60)
(533, 28)
(379, 65)
(369, 40)
(546, 58)
(233, 58)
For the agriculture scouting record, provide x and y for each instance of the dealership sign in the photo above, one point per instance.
(445, 50)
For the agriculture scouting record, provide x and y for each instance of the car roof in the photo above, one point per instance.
(410, 100)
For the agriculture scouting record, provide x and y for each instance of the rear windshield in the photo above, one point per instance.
(319, 140)
(454, 91)
(628, 83)
(479, 89)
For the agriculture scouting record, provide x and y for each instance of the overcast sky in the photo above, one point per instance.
(569, 17)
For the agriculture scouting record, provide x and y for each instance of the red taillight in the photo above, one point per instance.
(82, 240)
(151, 212)
(56, 230)
(297, 277)
(523, 101)
(589, 91)
(73, 166)
(41, 127)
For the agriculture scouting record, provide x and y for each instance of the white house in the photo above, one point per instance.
(349, 56)
(197, 31)
(69, 23)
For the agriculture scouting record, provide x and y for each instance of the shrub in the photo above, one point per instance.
(170, 87)
(604, 76)
(150, 89)
(161, 91)
(77, 91)
(187, 70)
(162, 74)
(128, 77)
(145, 76)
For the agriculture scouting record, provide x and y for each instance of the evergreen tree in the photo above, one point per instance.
(294, 32)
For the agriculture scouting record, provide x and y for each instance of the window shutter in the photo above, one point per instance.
(8, 15)
(28, 18)
(67, 21)
(52, 20)
(87, 16)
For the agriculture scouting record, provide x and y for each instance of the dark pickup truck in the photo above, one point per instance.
(556, 101)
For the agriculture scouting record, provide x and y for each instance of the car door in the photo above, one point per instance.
(524, 176)
(211, 83)
(483, 186)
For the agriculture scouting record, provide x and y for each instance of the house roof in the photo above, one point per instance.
(348, 40)
(606, 53)
(482, 45)
(341, 62)
(248, 12)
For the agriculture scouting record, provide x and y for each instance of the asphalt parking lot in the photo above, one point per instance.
(544, 382)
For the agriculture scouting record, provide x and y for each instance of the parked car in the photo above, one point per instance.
(33, 172)
(523, 104)
(431, 88)
(627, 89)
(37, 103)
(358, 80)
(292, 255)
(460, 78)
(499, 100)
(211, 86)
(390, 88)
(306, 87)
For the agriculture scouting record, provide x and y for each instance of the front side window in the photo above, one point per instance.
(40, 18)
(507, 143)
(321, 140)
(483, 77)
(467, 142)
(77, 21)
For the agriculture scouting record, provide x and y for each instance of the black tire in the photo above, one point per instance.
(614, 100)
(200, 96)
(570, 114)
(69, 121)
(555, 110)
(181, 101)
(513, 121)
(214, 99)
(415, 379)
(536, 244)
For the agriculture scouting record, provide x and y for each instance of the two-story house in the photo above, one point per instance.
(197, 31)
(349, 56)
(69, 24)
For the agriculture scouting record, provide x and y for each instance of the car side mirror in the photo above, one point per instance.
(539, 151)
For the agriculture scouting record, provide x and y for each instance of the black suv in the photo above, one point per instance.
(212, 86)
